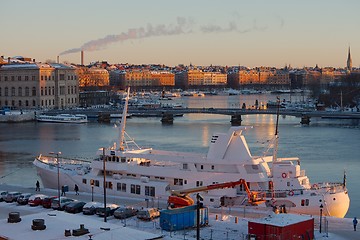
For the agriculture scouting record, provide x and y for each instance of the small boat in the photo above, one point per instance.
(63, 118)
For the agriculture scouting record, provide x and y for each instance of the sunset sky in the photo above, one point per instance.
(201, 32)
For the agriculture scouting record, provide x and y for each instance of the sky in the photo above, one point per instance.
(199, 32)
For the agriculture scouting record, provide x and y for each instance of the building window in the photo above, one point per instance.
(62, 76)
(178, 181)
(121, 187)
(20, 103)
(20, 91)
(84, 181)
(0, 93)
(19, 78)
(135, 189)
(12, 78)
(27, 91)
(97, 183)
(149, 191)
(212, 167)
(42, 77)
(26, 78)
(27, 103)
(5, 78)
(42, 91)
(199, 183)
(109, 185)
(13, 91)
(33, 78)
(138, 188)
(34, 91)
(34, 103)
(62, 90)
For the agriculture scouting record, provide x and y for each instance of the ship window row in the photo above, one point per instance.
(115, 159)
(212, 167)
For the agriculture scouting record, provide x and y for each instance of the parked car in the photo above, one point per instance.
(148, 214)
(3, 195)
(108, 211)
(12, 196)
(60, 205)
(23, 199)
(90, 207)
(125, 212)
(75, 207)
(36, 199)
(46, 202)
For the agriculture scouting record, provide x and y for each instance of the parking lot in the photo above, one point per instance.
(5, 208)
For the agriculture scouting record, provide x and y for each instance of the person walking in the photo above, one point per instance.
(37, 186)
(355, 221)
(63, 190)
(76, 189)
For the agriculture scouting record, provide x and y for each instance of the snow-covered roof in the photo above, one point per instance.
(36, 66)
(282, 220)
(57, 222)
(23, 66)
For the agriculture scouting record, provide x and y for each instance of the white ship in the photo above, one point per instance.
(62, 118)
(152, 174)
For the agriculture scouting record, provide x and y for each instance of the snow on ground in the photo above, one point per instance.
(221, 226)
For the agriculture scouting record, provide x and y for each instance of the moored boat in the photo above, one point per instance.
(147, 173)
(62, 118)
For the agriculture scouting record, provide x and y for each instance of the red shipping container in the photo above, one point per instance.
(282, 227)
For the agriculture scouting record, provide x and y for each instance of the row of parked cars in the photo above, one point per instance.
(75, 206)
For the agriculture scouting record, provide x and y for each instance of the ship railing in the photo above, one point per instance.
(63, 160)
(331, 187)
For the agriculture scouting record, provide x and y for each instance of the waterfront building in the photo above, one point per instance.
(92, 77)
(142, 78)
(257, 77)
(94, 98)
(200, 78)
(38, 85)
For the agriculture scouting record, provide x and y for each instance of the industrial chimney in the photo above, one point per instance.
(82, 57)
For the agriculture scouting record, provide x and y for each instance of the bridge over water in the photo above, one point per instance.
(167, 114)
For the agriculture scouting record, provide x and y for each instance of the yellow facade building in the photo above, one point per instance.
(38, 85)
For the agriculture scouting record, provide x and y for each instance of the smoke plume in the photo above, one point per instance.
(182, 26)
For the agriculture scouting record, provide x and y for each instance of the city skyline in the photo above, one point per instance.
(256, 33)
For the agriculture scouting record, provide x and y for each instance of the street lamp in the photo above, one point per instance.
(58, 172)
(104, 169)
(321, 210)
(198, 206)
(92, 189)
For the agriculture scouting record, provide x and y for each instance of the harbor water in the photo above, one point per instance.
(326, 147)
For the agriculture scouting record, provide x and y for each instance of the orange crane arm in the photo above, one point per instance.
(180, 198)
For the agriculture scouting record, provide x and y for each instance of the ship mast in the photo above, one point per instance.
(276, 140)
(123, 122)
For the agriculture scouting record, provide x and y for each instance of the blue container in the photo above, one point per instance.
(182, 218)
